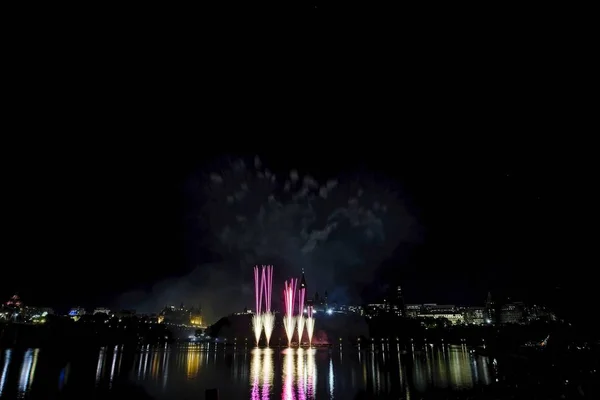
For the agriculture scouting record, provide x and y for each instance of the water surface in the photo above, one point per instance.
(185, 371)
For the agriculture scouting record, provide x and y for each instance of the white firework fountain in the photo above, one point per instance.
(257, 318)
(289, 321)
(310, 325)
(300, 320)
(268, 318)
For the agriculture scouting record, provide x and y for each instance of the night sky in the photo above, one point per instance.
(84, 227)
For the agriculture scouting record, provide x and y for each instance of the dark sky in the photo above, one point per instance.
(82, 226)
(480, 139)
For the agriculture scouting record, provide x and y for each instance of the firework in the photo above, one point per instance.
(258, 290)
(257, 320)
(268, 318)
(289, 322)
(268, 321)
(310, 325)
(300, 319)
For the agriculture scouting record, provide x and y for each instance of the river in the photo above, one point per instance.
(185, 371)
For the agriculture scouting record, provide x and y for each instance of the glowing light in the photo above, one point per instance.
(300, 374)
(27, 370)
(268, 318)
(311, 374)
(258, 293)
(331, 379)
(288, 374)
(310, 325)
(258, 288)
(100, 365)
(255, 374)
(267, 372)
(114, 364)
(268, 321)
(289, 322)
(257, 325)
(329, 311)
(7, 354)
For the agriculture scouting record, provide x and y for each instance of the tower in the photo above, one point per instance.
(303, 281)
(490, 310)
(401, 311)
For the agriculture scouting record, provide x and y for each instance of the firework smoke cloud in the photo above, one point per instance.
(339, 231)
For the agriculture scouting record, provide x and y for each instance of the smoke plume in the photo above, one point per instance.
(338, 231)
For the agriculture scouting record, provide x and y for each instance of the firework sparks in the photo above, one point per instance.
(310, 325)
(268, 319)
(289, 322)
(257, 326)
(300, 324)
(257, 319)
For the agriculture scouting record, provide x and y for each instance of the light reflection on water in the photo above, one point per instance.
(181, 370)
(299, 374)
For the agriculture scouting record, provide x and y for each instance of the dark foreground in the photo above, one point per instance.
(186, 371)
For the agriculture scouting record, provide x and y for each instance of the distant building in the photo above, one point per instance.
(126, 314)
(455, 318)
(102, 310)
(512, 313)
(474, 315)
(181, 316)
(14, 302)
(376, 309)
(395, 302)
(412, 310)
(538, 313)
(303, 282)
(76, 313)
(490, 310)
(434, 310)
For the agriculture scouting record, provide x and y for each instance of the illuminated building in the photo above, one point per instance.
(490, 310)
(474, 315)
(181, 316)
(512, 313)
(196, 317)
(13, 309)
(14, 302)
(412, 310)
(303, 281)
(454, 318)
(76, 313)
(101, 310)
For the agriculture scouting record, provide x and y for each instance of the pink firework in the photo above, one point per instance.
(267, 285)
(257, 318)
(289, 294)
(268, 318)
(258, 290)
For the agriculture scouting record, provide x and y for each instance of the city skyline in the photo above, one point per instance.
(480, 225)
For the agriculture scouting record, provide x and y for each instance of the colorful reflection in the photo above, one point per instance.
(255, 374)
(311, 374)
(267, 373)
(451, 367)
(299, 374)
(100, 365)
(261, 373)
(28, 370)
(7, 355)
(153, 364)
(288, 374)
